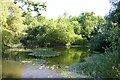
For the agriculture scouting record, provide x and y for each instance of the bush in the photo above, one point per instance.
(100, 65)
(99, 42)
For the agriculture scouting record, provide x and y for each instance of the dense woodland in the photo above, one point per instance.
(23, 30)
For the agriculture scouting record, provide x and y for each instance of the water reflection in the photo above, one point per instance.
(40, 71)
(20, 65)
(69, 56)
(11, 69)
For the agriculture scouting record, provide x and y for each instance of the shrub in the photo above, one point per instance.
(99, 42)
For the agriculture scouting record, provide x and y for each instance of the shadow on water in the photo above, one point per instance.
(11, 69)
(21, 65)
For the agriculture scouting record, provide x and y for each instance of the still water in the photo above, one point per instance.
(21, 65)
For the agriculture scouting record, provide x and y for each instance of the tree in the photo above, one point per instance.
(111, 58)
(12, 23)
(89, 22)
(52, 32)
(32, 7)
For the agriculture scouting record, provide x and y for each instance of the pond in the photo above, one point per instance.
(19, 64)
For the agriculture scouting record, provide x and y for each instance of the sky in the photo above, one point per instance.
(57, 8)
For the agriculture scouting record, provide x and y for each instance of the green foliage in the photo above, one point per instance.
(32, 7)
(64, 31)
(115, 37)
(101, 65)
(80, 41)
(104, 35)
(87, 21)
(77, 27)
(52, 32)
(105, 65)
(34, 36)
(99, 42)
(11, 21)
(87, 24)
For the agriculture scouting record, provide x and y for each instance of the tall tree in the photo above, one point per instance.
(29, 6)
(12, 23)
(88, 22)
